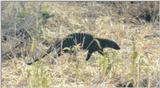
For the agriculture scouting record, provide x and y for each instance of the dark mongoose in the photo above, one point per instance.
(86, 42)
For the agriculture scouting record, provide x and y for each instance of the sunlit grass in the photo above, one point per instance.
(137, 62)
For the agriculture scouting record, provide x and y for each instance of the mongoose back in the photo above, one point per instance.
(86, 42)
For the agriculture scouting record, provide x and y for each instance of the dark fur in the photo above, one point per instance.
(86, 41)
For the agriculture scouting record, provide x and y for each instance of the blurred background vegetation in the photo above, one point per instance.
(29, 28)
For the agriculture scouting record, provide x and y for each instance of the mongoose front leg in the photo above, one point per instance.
(101, 52)
(88, 55)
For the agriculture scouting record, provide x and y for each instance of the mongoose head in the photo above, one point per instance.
(106, 43)
(114, 45)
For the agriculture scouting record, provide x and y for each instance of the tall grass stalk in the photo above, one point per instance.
(133, 68)
(40, 78)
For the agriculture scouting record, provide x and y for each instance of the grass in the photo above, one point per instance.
(137, 62)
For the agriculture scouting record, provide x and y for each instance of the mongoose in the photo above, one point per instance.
(86, 42)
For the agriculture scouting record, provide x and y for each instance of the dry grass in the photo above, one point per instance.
(137, 62)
